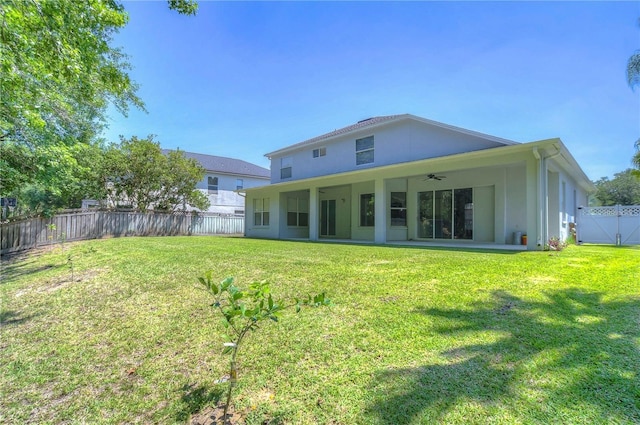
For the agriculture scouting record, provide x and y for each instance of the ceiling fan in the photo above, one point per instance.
(434, 177)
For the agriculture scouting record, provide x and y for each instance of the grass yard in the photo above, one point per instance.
(415, 335)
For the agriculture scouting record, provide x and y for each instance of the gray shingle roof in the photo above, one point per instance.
(221, 164)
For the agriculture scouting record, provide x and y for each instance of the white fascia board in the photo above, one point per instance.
(370, 173)
(571, 166)
(227, 173)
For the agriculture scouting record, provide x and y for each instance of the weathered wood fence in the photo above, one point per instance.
(84, 224)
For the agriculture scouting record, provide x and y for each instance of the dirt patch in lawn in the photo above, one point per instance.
(214, 416)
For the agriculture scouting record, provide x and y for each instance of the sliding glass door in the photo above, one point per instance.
(445, 214)
(328, 217)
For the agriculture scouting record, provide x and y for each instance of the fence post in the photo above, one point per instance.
(618, 235)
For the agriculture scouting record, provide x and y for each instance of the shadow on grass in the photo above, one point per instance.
(12, 318)
(426, 246)
(571, 354)
(17, 269)
(196, 399)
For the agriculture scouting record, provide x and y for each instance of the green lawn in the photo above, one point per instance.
(415, 335)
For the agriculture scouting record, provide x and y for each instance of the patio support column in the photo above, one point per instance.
(535, 201)
(380, 211)
(313, 214)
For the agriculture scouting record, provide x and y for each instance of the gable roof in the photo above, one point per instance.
(384, 120)
(224, 165)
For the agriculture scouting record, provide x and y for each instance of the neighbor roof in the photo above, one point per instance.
(382, 120)
(221, 164)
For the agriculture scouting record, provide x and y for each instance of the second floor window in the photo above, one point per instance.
(239, 184)
(285, 167)
(364, 150)
(319, 152)
(212, 184)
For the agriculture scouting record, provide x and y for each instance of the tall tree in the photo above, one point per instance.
(633, 68)
(623, 189)
(141, 176)
(58, 73)
(636, 159)
(633, 79)
(65, 187)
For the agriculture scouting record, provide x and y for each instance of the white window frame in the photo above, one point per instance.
(362, 213)
(286, 167)
(364, 149)
(317, 153)
(212, 184)
(300, 208)
(261, 212)
(239, 184)
(399, 209)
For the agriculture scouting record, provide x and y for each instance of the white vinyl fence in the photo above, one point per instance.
(83, 224)
(618, 225)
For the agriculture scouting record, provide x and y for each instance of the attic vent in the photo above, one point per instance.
(366, 119)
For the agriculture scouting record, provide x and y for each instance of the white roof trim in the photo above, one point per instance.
(572, 166)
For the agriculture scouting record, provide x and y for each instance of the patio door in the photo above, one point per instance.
(445, 214)
(328, 217)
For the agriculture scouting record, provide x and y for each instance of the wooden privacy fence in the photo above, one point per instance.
(84, 224)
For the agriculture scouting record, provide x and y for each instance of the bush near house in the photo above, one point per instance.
(415, 335)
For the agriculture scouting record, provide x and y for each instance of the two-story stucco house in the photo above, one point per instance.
(224, 177)
(406, 178)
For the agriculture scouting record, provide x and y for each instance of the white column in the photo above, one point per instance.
(313, 214)
(381, 211)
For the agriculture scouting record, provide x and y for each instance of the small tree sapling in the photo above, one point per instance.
(243, 310)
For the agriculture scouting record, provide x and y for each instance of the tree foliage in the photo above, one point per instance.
(139, 175)
(633, 68)
(623, 189)
(58, 73)
(77, 177)
(185, 7)
(636, 159)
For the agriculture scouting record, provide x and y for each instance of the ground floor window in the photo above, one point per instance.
(261, 212)
(445, 214)
(297, 212)
(398, 208)
(367, 210)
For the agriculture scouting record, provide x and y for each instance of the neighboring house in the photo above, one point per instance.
(224, 176)
(406, 178)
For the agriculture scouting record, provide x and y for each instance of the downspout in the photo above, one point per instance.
(546, 190)
(538, 157)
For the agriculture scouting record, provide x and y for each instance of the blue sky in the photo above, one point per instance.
(241, 79)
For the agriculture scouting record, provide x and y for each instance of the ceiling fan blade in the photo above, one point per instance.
(434, 177)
